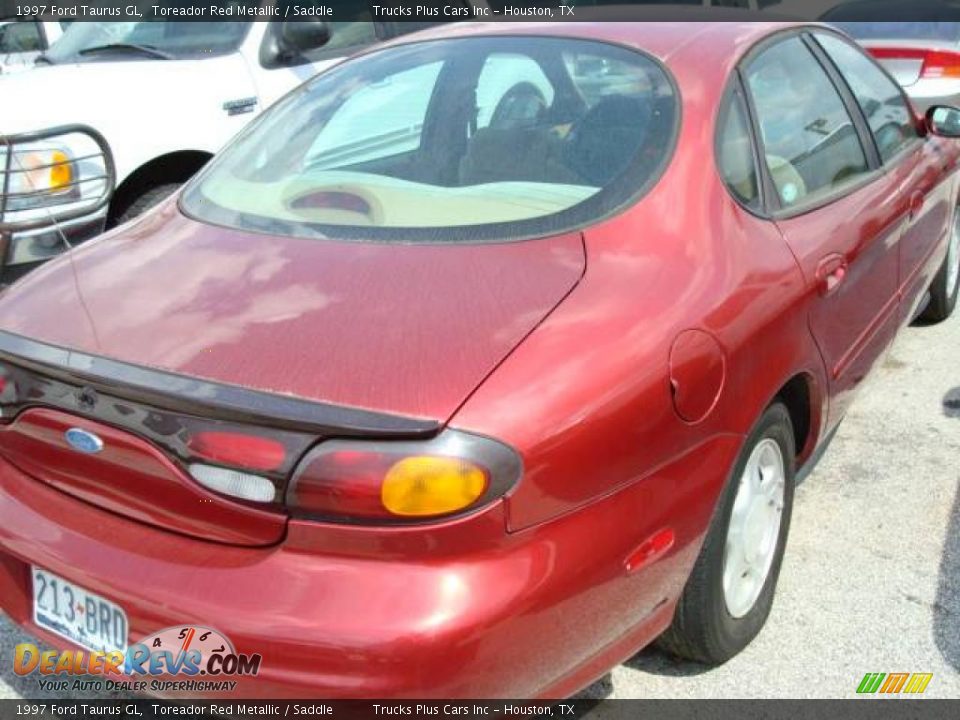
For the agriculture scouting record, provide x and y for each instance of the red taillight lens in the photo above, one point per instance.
(395, 481)
(238, 449)
(341, 482)
(941, 64)
(936, 63)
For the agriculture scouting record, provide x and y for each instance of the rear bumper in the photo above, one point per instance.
(542, 614)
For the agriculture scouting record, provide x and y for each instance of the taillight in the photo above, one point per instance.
(936, 63)
(247, 454)
(941, 64)
(242, 449)
(243, 462)
(396, 481)
(235, 483)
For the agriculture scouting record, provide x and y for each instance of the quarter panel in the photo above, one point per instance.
(586, 399)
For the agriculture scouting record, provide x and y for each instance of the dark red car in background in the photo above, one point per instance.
(479, 362)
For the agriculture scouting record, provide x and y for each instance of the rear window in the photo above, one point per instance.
(461, 139)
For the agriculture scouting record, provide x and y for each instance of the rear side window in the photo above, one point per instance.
(810, 144)
(450, 140)
(735, 152)
(887, 112)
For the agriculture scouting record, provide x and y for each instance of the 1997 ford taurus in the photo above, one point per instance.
(479, 362)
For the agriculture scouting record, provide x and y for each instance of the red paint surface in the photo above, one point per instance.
(406, 329)
(454, 610)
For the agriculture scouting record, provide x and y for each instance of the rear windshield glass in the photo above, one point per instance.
(945, 31)
(460, 139)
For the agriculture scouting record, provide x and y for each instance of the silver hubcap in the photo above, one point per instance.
(953, 257)
(754, 528)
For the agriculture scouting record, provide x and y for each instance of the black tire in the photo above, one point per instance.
(146, 200)
(943, 300)
(703, 628)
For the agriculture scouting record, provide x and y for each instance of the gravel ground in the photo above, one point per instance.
(871, 580)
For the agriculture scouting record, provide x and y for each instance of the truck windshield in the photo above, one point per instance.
(170, 39)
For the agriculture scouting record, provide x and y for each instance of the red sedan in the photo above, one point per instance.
(476, 364)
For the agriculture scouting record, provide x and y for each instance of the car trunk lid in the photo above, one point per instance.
(169, 330)
(406, 329)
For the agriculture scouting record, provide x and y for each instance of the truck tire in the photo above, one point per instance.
(147, 200)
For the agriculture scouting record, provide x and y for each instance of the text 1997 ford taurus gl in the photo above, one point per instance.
(479, 362)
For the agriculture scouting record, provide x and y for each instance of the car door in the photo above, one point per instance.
(839, 213)
(899, 142)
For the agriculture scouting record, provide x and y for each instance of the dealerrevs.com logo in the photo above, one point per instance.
(199, 658)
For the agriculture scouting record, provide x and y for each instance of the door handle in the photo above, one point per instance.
(831, 271)
(916, 204)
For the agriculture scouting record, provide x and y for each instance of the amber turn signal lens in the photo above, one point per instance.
(47, 170)
(61, 174)
(431, 485)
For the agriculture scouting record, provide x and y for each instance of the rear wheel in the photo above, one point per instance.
(946, 284)
(730, 591)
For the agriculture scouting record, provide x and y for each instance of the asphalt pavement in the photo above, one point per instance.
(871, 579)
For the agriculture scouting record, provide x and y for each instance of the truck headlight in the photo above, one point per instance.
(51, 176)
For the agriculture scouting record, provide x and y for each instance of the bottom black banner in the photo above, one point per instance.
(865, 709)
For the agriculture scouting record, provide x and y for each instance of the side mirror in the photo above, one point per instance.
(944, 121)
(297, 36)
(286, 42)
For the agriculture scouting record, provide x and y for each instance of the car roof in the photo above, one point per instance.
(660, 39)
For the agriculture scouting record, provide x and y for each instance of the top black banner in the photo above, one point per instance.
(420, 11)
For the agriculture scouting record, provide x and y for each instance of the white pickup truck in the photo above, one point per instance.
(116, 115)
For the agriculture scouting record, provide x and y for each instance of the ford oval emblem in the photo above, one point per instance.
(83, 441)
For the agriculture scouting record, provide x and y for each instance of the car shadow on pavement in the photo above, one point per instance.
(655, 661)
(599, 690)
(951, 403)
(946, 608)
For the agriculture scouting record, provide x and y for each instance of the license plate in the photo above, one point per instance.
(77, 614)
